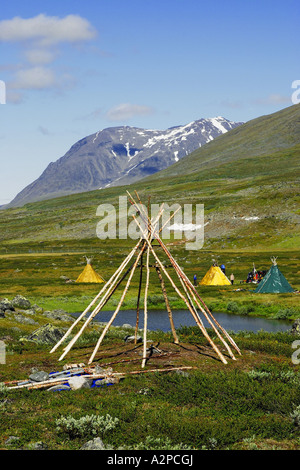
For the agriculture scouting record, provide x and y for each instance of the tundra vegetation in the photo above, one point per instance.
(248, 181)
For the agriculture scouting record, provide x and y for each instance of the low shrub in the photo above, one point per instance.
(258, 375)
(295, 415)
(285, 313)
(233, 307)
(158, 443)
(87, 426)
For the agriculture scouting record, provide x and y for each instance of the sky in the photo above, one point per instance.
(70, 68)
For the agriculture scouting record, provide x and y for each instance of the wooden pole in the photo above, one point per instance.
(100, 305)
(163, 288)
(186, 286)
(145, 308)
(53, 382)
(205, 310)
(169, 219)
(192, 288)
(138, 301)
(115, 277)
(147, 240)
(117, 309)
(185, 300)
(205, 314)
(105, 287)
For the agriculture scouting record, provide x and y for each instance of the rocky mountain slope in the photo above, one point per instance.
(247, 179)
(120, 155)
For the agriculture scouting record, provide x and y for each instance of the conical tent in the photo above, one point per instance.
(89, 274)
(274, 282)
(139, 257)
(215, 277)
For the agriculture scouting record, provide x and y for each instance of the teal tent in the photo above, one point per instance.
(274, 282)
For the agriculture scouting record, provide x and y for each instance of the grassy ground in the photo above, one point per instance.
(38, 276)
(251, 403)
(247, 404)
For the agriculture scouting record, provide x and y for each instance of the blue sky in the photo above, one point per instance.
(74, 67)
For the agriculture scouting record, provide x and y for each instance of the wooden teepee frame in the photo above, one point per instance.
(143, 248)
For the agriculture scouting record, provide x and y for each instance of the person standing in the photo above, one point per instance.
(232, 278)
(195, 280)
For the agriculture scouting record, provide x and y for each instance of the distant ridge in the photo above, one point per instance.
(120, 155)
(259, 137)
(247, 180)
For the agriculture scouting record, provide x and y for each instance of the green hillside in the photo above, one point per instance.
(252, 212)
(247, 179)
(262, 137)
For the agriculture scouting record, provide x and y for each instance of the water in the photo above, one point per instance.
(159, 320)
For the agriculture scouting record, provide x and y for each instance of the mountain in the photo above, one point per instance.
(120, 155)
(262, 137)
(248, 180)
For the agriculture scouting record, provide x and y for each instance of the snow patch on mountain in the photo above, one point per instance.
(119, 156)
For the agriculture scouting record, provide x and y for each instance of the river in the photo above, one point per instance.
(159, 320)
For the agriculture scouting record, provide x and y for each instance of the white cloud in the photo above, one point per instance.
(35, 78)
(274, 99)
(47, 30)
(92, 115)
(40, 38)
(14, 97)
(125, 111)
(44, 130)
(40, 56)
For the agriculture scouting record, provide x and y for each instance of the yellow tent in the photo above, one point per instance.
(89, 274)
(215, 277)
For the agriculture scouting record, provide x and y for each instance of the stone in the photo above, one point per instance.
(30, 311)
(5, 304)
(98, 383)
(46, 334)
(20, 302)
(38, 446)
(78, 382)
(37, 308)
(24, 320)
(100, 370)
(111, 380)
(296, 327)
(94, 444)
(130, 339)
(60, 315)
(58, 388)
(39, 376)
(12, 441)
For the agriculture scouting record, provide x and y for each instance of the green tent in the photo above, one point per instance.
(274, 282)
